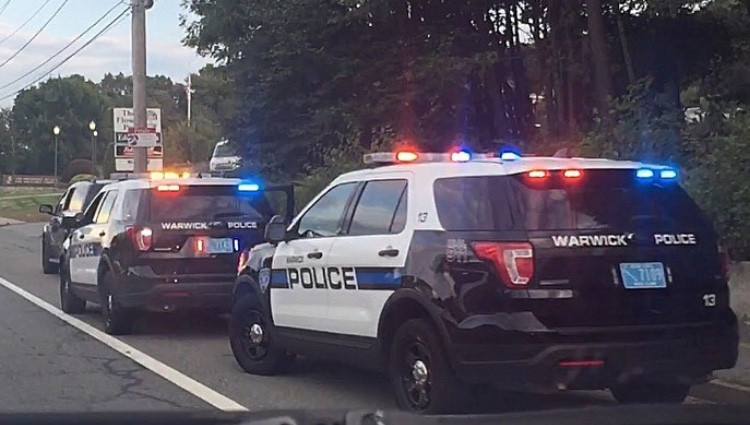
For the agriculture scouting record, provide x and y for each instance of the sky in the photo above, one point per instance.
(165, 52)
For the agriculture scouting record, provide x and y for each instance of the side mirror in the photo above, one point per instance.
(46, 209)
(73, 222)
(275, 231)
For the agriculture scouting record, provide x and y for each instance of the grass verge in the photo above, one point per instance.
(24, 206)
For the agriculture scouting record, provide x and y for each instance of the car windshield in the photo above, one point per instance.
(440, 207)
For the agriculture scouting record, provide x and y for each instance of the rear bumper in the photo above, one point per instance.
(584, 360)
(166, 294)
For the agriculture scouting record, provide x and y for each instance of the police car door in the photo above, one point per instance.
(368, 259)
(89, 238)
(299, 297)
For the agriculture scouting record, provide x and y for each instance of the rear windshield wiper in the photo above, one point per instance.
(232, 214)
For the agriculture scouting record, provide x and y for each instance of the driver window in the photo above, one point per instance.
(65, 201)
(325, 217)
(91, 210)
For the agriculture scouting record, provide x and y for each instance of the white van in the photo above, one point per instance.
(224, 158)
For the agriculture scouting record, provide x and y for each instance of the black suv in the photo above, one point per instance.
(76, 198)
(163, 245)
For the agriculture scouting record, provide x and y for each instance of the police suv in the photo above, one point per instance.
(159, 245)
(448, 270)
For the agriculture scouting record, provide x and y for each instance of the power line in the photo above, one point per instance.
(56, 54)
(26, 22)
(109, 26)
(35, 34)
(4, 6)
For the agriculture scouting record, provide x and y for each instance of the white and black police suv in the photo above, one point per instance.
(449, 270)
(161, 244)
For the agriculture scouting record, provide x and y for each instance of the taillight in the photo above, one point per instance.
(242, 261)
(142, 238)
(725, 261)
(513, 261)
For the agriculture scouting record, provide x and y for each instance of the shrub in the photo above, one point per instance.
(75, 167)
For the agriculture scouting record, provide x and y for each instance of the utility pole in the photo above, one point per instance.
(138, 40)
(189, 97)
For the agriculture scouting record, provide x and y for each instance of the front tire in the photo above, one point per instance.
(69, 302)
(251, 337)
(420, 374)
(650, 392)
(48, 267)
(118, 320)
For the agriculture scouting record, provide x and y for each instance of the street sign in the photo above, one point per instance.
(127, 137)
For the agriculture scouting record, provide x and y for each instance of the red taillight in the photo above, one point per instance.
(168, 188)
(538, 174)
(726, 261)
(572, 174)
(141, 237)
(242, 261)
(200, 245)
(513, 261)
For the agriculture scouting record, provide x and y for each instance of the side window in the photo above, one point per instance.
(93, 207)
(131, 203)
(77, 200)
(65, 200)
(102, 216)
(381, 208)
(324, 218)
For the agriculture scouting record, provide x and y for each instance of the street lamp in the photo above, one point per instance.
(92, 127)
(56, 132)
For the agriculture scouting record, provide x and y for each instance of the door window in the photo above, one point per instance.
(324, 218)
(102, 216)
(381, 209)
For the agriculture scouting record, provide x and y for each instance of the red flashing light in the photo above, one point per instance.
(572, 174)
(200, 245)
(406, 156)
(168, 188)
(513, 261)
(142, 238)
(581, 363)
(242, 262)
(538, 174)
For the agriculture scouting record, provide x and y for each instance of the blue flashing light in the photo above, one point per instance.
(461, 156)
(236, 245)
(509, 156)
(644, 173)
(668, 174)
(248, 187)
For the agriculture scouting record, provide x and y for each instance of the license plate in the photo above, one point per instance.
(643, 275)
(220, 246)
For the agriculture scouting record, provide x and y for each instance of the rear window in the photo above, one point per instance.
(602, 199)
(208, 203)
(224, 150)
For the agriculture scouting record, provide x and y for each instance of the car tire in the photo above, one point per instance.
(118, 320)
(69, 302)
(48, 267)
(420, 374)
(650, 392)
(252, 339)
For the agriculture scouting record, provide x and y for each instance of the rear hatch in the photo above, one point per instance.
(604, 248)
(201, 229)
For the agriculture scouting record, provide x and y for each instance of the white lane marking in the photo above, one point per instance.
(726, 384)
(745, 345)
(185, 382)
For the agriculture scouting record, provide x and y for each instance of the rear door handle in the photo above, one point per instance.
(316, 255)
(102, 233)
(81, 236)
(390, 252)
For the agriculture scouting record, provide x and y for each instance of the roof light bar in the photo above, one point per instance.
(461, 156)
(248, 187)
(537, 174)
(644, 173)
(406, 156)
(572, 174)
(509, 156)
(668, 174)
(168, 188)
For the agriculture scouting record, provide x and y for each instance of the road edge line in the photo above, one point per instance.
(172, 375)
(725, 384)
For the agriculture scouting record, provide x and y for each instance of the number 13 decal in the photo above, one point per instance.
(709, 300)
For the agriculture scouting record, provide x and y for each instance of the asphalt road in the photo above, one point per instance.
(46, 364)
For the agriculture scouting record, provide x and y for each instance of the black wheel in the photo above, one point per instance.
(251, 336)
(48, 267)
(419, 371)
(69, 302)
(650, 392)
(118, 320)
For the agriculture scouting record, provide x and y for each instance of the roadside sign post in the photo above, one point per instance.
(129, 138)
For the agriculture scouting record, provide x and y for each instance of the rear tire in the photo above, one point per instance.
(48, 267)
(252, 339)
(650, 392)
(118, 320)
(420, 374)
(69, 302)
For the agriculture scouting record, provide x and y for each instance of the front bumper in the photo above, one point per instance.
(583, 359)
(169, 293)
